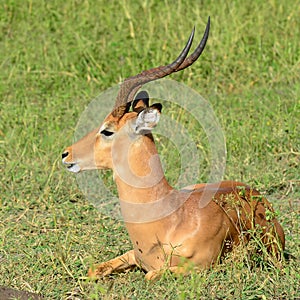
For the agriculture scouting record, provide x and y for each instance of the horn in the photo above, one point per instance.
(131, 85)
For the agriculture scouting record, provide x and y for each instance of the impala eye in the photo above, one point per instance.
(107, 132)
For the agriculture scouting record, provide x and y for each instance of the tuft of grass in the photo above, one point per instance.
(58, 55)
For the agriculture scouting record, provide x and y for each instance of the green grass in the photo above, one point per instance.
(58, 55)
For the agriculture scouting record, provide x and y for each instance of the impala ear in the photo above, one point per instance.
(141, 101)
(157, 106)
(147, 119)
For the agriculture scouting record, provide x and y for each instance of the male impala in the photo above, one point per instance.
(169, 229)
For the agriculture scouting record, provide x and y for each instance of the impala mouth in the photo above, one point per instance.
(72, 167)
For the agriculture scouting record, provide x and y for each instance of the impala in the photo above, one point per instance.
(169, 229)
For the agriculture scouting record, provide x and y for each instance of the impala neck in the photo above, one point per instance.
(138, 172)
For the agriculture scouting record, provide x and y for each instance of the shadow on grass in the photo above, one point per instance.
(7, 293)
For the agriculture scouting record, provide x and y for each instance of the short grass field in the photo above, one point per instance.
(56, 56)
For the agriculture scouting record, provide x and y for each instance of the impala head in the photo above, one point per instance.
(95, 150)
(130, 120)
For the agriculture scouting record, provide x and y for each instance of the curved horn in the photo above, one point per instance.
(132, 84)
(195, 55)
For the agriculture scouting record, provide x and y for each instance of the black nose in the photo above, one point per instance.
(65, 154)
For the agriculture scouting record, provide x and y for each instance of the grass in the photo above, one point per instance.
(56, 56)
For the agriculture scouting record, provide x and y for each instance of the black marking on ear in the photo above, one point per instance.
(139, 109)
(141, 101)
(157, 106)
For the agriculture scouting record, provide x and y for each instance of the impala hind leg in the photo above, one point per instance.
(123, 262)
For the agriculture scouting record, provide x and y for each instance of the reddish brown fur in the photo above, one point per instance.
(192, 234)
(200, 222)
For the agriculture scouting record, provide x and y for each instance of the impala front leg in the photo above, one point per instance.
(123, 262)
(155, 274)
